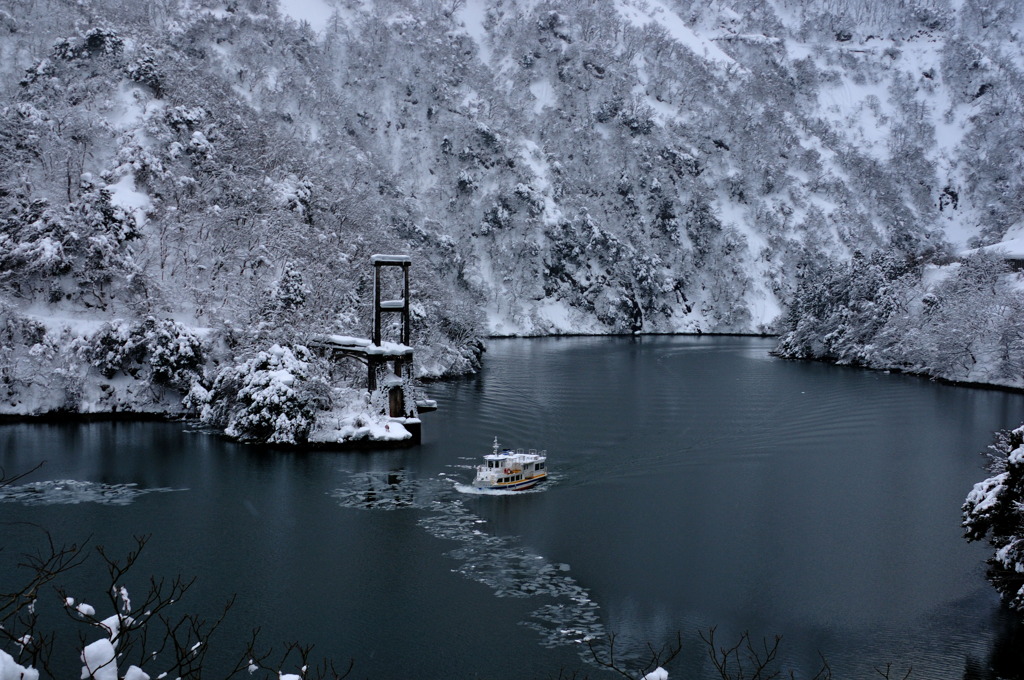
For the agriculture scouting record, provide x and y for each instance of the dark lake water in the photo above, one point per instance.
(696, 482)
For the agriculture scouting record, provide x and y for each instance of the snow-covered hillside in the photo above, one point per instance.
(223, 172)
(649, 166)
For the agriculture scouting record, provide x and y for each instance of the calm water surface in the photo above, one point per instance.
(696, 482)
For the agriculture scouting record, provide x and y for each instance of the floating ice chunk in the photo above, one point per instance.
(69, 491)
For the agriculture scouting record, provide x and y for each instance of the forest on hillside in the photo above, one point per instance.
(191, 190)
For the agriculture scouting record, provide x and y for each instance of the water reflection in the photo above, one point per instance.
(1006, 660)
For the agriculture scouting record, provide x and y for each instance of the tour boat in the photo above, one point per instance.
(512, 470)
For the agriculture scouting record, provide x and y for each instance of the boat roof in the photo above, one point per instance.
(522, 455)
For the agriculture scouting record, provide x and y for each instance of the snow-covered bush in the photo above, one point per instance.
(96, 42)
(290, 291)
(38, 366)
(143, 67)
(20, 340)
(85, 243)
(163, 351)
(33, 243)
(995, 510)
(115, 348)
(175, 353)
(272, 397)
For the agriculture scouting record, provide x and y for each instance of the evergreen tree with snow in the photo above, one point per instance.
(994, 510)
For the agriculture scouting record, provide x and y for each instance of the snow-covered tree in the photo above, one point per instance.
(161, 351)
(994, 510)
(272, 397)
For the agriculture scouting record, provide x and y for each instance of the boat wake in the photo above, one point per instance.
(474, 491)
(499, 562)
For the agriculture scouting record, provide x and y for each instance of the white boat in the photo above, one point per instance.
(512, 470)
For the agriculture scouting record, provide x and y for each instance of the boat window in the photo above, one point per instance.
(540, 466)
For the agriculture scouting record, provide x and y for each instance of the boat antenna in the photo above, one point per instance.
(495, 445)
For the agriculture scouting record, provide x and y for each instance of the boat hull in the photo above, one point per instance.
(521, 485)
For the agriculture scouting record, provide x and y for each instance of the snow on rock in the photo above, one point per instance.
(544, 95)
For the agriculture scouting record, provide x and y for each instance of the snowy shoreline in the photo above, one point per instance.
(530, 336)
(1017, 389)
(78, 418)
(74, 417)
(368, 441)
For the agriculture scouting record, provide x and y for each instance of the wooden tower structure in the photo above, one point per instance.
(395, 355)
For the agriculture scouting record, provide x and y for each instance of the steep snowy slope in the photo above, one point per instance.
(647, 166)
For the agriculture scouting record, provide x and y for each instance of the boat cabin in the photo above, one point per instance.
(512, 469)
